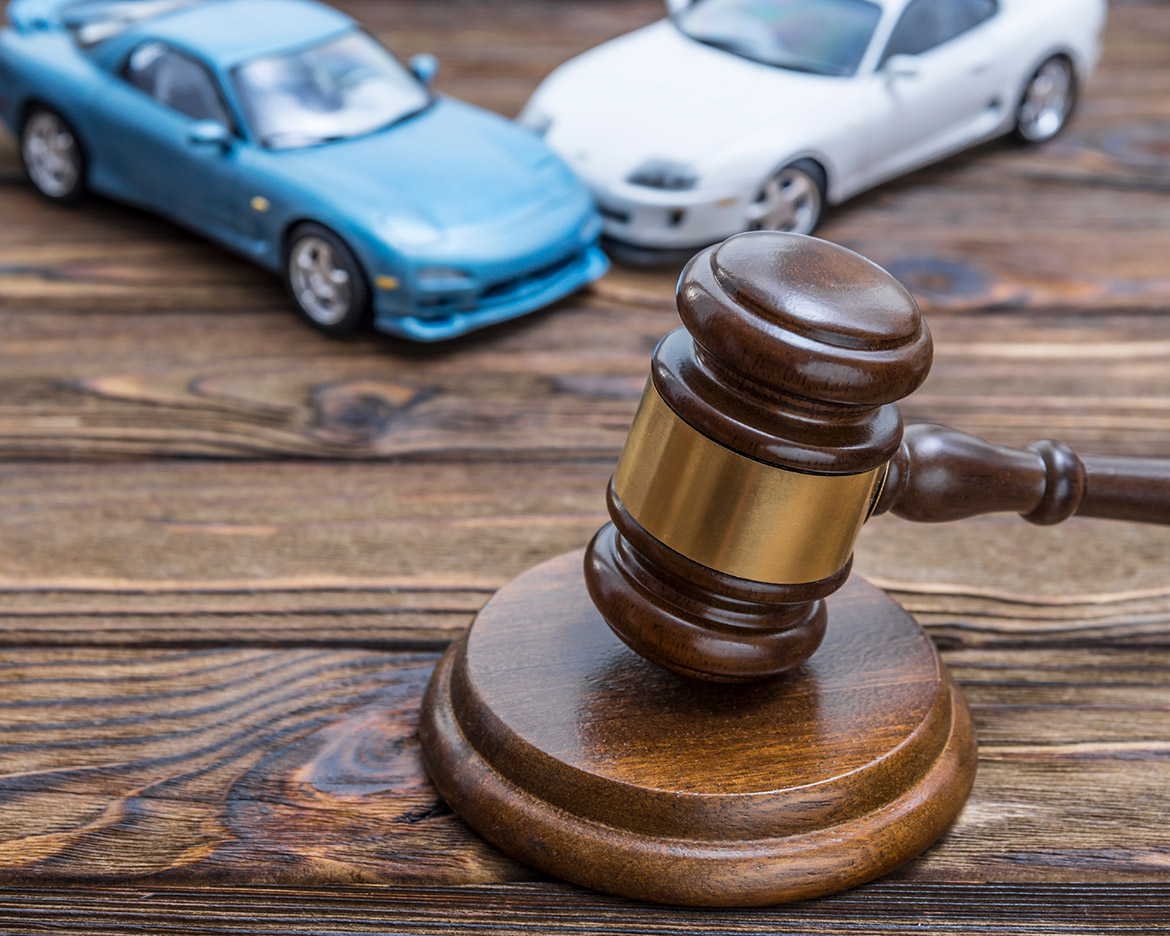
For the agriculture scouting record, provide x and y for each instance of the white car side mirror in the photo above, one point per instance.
(677, 6)
(900, 66)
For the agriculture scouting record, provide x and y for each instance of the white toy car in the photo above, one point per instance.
(735, 115)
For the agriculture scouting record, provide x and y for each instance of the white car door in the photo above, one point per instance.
(937, 84)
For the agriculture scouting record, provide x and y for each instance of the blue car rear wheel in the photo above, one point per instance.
(325, 280)
(52, 155)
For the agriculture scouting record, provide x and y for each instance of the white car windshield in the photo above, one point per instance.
(343, 88)
(826, 37)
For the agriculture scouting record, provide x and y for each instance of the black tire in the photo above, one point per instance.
(1026, 134)
(807, 217)
(67, 185)
(305, 240)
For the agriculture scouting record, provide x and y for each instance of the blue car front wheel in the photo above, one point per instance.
(52, 155)
(325, 280)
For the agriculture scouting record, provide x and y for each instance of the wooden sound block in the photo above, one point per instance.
(566, 749)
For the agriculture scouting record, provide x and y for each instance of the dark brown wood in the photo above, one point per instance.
(793, 351)
(296, 766)
(939, 473)
(875, 910)
(187, 467)
(559, 744)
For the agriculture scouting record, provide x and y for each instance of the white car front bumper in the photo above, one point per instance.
(656, 218)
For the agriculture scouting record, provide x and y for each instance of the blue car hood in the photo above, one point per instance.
(451, 166)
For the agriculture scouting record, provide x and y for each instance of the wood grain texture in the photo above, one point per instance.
(875, 910)
(149, 554)
(301, 766)
(195, 485)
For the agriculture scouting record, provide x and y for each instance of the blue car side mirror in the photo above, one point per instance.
(210, 133)
(425, 67)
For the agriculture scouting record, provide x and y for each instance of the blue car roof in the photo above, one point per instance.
(229, 32)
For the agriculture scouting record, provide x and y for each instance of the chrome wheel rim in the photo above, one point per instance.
(51, 155)
(1047, 101)
(320, 283)
(789, 201)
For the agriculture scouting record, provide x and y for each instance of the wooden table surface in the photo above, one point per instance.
(232, 549)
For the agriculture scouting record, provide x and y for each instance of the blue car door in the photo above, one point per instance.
(167, 164)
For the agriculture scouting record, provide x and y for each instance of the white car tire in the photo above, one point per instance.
(790, 200)
(52, 155)
(1046, 101)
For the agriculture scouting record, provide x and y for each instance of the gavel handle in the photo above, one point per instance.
(941, 474)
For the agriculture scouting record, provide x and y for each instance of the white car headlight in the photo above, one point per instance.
(665, 174)
(537, 121)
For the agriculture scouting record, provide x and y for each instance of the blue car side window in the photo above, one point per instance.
(176, 81)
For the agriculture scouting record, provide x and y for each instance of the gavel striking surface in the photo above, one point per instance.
(561, 745)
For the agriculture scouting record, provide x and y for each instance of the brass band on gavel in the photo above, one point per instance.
(732, 513)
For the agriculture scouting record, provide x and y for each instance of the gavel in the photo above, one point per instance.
(781, 731)
(769, 432)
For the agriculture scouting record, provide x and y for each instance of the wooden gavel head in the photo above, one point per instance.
(758, 451)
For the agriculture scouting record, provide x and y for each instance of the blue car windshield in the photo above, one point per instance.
(825, 37)
(343, 88)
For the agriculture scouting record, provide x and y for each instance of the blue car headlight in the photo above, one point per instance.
(410, 230)
(591, 229)
(554, 175)
(664, 174)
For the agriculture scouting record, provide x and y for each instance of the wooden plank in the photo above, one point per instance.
(402, 555)
(301, 765)
(246, 386)
(876, 910)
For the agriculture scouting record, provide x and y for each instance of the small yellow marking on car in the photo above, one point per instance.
(726, 202)
(386, 282)
(260, 203)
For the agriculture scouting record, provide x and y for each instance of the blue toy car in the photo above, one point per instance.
(282, 130)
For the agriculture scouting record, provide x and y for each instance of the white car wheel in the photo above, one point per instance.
(1047, 101)
(792, 201)
(52, 155)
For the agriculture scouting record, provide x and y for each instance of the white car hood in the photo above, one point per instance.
(658, 94)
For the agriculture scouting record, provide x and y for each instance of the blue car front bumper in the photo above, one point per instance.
(451, 316)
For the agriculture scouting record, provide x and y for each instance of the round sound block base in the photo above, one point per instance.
(566, 749)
